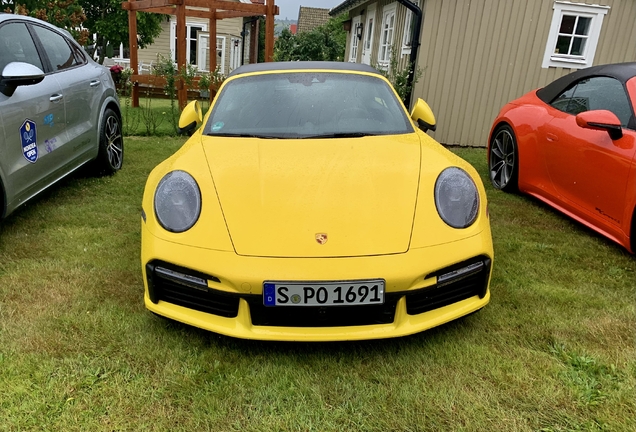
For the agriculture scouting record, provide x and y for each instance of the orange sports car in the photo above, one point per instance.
(572, 144)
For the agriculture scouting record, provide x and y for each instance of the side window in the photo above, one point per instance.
(16, 45)
(80, 55)
(56, 48)
(597, 93)
(563, 100)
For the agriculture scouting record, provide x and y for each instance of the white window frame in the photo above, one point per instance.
(204, 52)
(173, 33)
(369, 29)
(561, 8)
(221, 66)
(406, 37)
(235, 53)
(355, 42)
(388, 12)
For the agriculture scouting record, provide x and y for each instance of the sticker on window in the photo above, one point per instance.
(50, 144)
(29, 139)
(48, 120)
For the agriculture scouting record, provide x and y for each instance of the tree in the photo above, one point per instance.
(324, 43)
(109, 23)
(66, 14)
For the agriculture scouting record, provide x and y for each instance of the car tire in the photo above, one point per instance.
(503, 159)
(110, 157)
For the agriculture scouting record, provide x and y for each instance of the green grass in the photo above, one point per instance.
(553, 351)
(154, 116)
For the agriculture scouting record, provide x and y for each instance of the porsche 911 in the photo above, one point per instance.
(572, 145)
(309, 205)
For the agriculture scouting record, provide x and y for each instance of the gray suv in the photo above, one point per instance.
(58, 110)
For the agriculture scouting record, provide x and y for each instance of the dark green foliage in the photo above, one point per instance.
(261, 40)
(66, 14)
(324, 43)
(109, 22)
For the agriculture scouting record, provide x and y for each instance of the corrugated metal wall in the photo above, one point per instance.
(476, 55)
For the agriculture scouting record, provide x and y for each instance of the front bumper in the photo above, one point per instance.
(222, 292)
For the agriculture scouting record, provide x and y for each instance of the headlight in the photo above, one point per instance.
(456, 198)
(177, 201)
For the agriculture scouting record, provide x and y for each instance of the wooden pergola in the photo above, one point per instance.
(211, 9)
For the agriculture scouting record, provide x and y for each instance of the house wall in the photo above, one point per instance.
(477, 55)
(229, 28)
(361, 10)
(160, 45)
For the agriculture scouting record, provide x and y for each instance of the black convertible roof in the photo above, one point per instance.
(303, 65)
(619, 71)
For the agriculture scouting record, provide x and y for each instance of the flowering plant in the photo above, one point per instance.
(116, 69)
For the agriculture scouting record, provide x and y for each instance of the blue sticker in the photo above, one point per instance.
(269, 294)
(217, 126)
(29, 139)
(49, 144)
(48, 120)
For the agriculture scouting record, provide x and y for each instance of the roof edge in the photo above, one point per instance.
(345, 6)
(303, 65)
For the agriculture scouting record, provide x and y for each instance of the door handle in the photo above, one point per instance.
(56, 98)
(95, 83)
(551, 137)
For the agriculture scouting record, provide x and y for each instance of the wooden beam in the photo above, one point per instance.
(229, 6)
(181, 53)
(132, 43)
(199, 13)
(269, 31)
(162, 10)
(212, 39)
(145, 4)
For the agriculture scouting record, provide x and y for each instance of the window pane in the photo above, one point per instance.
(603, 93)
(369, 33)
(193, 52)
(56, 48)
(578, 46)
(567, 24)
(563, 45)
(16, 45)
(562, 101)
(583, 26)
(305, 104)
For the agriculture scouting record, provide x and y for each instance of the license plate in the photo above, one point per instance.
(343, 293)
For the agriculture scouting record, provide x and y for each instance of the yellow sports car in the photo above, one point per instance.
(311, 207)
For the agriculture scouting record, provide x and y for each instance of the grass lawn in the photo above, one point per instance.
(153, 117)
(553, 351)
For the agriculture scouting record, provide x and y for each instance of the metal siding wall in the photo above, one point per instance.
(477, 55)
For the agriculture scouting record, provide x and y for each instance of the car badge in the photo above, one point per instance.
(321, 238)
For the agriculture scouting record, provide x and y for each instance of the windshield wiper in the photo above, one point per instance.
(341, 135)
(241, 135)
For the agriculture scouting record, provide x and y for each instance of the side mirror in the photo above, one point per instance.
(17, 74)
(422, 114)
(601, 120)
(190, 118)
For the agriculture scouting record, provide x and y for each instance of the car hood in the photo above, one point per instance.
(316, 197)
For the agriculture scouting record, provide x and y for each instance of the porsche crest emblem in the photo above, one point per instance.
(321, 238)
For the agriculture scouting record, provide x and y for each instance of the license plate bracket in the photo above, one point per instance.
(323, 293)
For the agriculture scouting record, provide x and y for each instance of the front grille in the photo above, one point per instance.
(165, 286)
(185, 294)
(320, 316)
(474, 283)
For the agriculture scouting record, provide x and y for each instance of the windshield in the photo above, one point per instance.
(307, 105)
